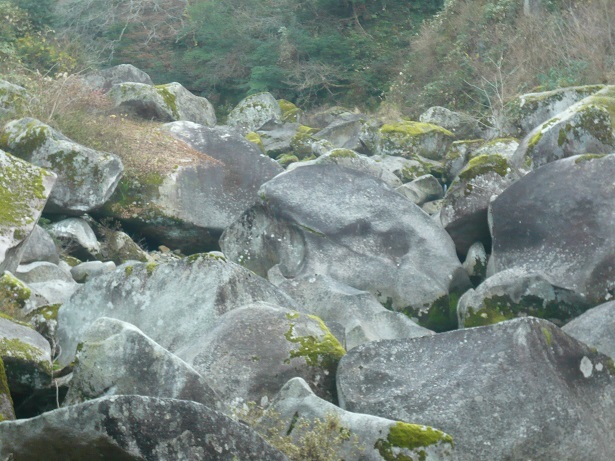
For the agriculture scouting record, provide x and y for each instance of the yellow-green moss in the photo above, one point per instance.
(534, 140)
(342, 153)
(484, 164)
(24, 142)
(128, 270)
(587, 157)
(290, 112)
(413, 128)
(547, 334)
(325, 351)
(4, 386)
(412, 437)
(286, 159)
(150, 268)
(14, 293)
(19, 350)
(254, 137)
(169, 98)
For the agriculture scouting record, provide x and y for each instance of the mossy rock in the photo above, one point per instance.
(415, 438)
(255, 138)
(290, 112)
(409, 139)
(7, 411)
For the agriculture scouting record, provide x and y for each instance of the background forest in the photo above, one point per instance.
(404, 55)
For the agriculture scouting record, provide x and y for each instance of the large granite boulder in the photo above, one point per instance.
(329, 220)
(40, 247)
(559, 220)
(48, 281)
(76, 237)
(175, 303)
(423, 189)
(24, 190)
(104, 79)
(116, 358)
(344, 132)
(86, 178)
(254, 350)
(518, 390)
(133, 428)
(463, 126)
(11, 97)
(189, 205)
(596, 328)
(297, 411)
(166, 103)
(253, 112)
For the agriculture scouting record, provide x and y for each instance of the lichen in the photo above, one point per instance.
(14, 349)
(412, 437)
(324, 351)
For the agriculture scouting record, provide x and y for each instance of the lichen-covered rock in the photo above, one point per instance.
(16, 297)
(253, 350)
(116, 358)
(423, 189)
(596, 328)
(167, 103)
(48, 283)
(26, 355)
(24, 190)
(463, 126)
(517, 293)
(559, 220)
(475, 263)
(44, 320)
(329, 220)
(458, 156)
(86, 271)
(405, 169)
(296, 410)
(133, 428)
(253, 112)
(410, 139)
(7, 412)
(104, 79)
(78, 238)
(11, 97)
(119, 247)
(464, 210)
(276, 137)
(40, 247)
(175, 303)
(290, 112)
(363, 318)
(86, 178)
(585, 127)
(518, 390)
(344, 132)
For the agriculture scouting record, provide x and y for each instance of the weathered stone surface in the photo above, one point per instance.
(324, 219)
(254, 350)
(167, 103)
(24, 190)
(423, 189)
(464, 210)
(39, 247)
(277, 137)
(344, 132)
(463, 126)
(596, 328)
(585, 127)
(296, 409)
(26, 355)
(133, 428)
(364, 319)
(6, 403)
(86, 178)
(517, 390)
(518, 293)
(175, 303)
(42, 271)
(17, 298)
(559, 220)
(116, 358)
(475, 263)
(11, 97)
(83, 272)
(405, 169)
(119, 247)
(48, 283)
(104, 79)
(253, 112)
(458, 156)
(77, 237)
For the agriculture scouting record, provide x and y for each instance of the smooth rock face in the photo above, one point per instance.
(423, 189)
(559, 220)
(344, 132)
(517, 390)
(405, 169)
(40, 247)
(133, 428)
(518, 293)
(254, 350)
(24, 190)
(77, 236)
(83, 272)
(116, 358)
(175, 304)
(371, 438)
(253, 112)
(103, 80)
(364, 319)
(86, 178)
(328, 220)
(596, 328)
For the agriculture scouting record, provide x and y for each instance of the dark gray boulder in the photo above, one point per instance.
(518, 390)
(133, 428)
(559, 220)
(40, 247)
(329, 220)
(596, 328)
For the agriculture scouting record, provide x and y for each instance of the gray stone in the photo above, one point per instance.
(86, 177)
(253, 112)
(175, 303)
(166, 103)
(517, 390)
(7, 412)
(596, 328)
(405, 169)
(296, 411)
(40, 247)
(344, 132)
(277, 137)
(559, 220)
(475, 263)
(116, 358)
(42, 271)
(423, 189)
(77, 237)
(11, 97)
(133, 428)
(119, 247)
(104, 79)
(324, 219)
(24, 190)
(463, 126)
(86, 271)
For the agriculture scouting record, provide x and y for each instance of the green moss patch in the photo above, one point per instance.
(411, 129)
(169, 98)
(324, 351)
(412, 437)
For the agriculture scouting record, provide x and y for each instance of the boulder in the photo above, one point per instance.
(86, 177)
(40, 247)
(423, 189)
(16, 297)
(175, 303)
(86, 271)
(42, 271)
(116, 358)
(296, 411)
(11, 97)
(463, 126)
(405, 169)
(518, 390)
(518, 293)
(276, 137)
(458, 156)
(290, 112)
(329, 220)
(344, 132)
(132, 428)
(7, 412)
(77, 238)
(48, 283)
(559, 220)
(596, 328)
(360, 314)
(166, 103)
(464, 210)
(24, 190)
(253, 112)
(119, 248)
(252, 351)
(475, 263)
(104, 79)
(585, 127)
